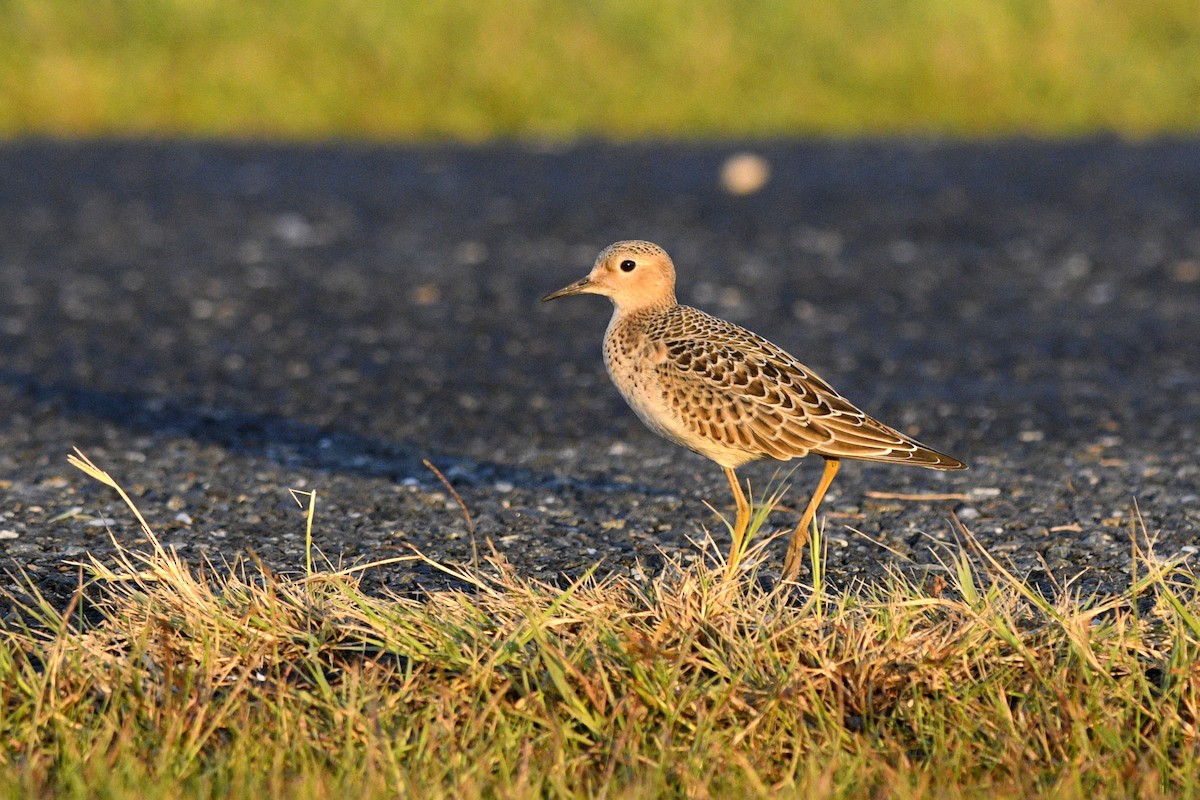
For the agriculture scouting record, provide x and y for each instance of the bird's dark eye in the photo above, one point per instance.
(627, 265)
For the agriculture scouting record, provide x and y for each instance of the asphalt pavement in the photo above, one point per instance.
(215, 323)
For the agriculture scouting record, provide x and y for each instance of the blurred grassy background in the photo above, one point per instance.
(473, 69)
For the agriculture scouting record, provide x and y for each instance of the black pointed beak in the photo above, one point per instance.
(581, 286)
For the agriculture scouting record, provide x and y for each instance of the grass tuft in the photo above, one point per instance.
(180, 682)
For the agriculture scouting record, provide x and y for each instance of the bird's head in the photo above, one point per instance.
(633, 274)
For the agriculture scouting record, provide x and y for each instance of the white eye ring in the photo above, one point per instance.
(627, 265)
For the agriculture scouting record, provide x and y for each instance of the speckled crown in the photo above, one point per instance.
(633, 246)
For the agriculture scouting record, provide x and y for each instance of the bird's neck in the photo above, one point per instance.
(639, 308)
(638, 319)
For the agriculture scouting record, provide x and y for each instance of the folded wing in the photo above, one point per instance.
(739, 389)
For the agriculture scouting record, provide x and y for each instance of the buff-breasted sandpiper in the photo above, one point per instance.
(724, 392)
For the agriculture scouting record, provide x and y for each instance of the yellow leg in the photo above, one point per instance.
(791, 567)
(741, 523)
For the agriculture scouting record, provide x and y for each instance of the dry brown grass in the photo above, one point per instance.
(237, 680)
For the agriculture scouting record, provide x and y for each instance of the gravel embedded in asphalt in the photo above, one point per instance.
(215, 323)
